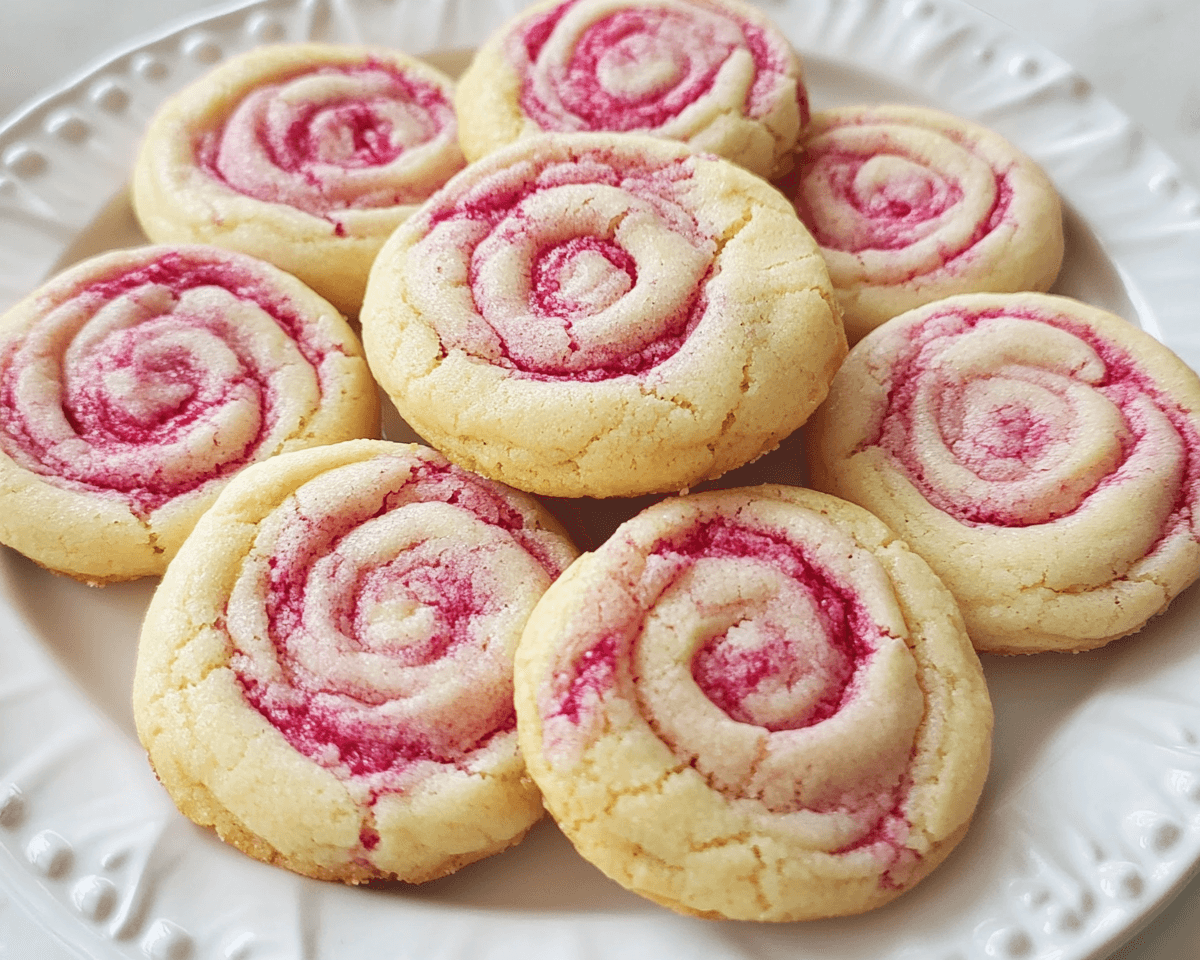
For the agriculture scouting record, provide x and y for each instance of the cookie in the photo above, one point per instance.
(1041, 454)
(324, 674)
(306, 155)
(602, 315)
(755, 704)
(136, 383)
(911, 205)
(716, 74)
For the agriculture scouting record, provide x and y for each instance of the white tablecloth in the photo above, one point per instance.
(1143, 56)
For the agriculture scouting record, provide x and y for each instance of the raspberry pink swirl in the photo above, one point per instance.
(372, 596)
(1051, 449)
(307, 155)
(910, 205)
(765, 664)
(640, 305)
(336, 137)
(602, 250)
(716, 74)
(133, 386)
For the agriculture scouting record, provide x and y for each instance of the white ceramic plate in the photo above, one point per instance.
(1091, 819)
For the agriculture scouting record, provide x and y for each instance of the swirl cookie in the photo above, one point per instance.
(602, 315)
(716, 74)
(911, 205)
(1041, 454)
(324, 674)
(755, 704)
(306, 155)
(133, 385)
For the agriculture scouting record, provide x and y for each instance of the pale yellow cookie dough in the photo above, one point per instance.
(1040, 453)
(599, 315)
(136, 383)
(912, 204)
(755, 704)
(718, 75)
(307, 155)
(324, 674)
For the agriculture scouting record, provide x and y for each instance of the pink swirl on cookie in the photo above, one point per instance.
(1016, 417)
(307, 155)
(597, 314)
(325, 672)
(336, 137)
(763, 672)
(1008, 438)
(582, 264)
(152, 375)
(716, 74)
(911, 205)
(374, 622)
(788, 647)
(638, 66)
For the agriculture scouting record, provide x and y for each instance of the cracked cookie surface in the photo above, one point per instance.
(602, 315)
(325, 672)
(1041, 454)
(755, 704)
(307, 155)
(135, 384)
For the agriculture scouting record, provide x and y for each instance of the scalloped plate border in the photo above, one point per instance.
(91, 849)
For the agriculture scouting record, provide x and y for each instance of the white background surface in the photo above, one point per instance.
(1143, 55)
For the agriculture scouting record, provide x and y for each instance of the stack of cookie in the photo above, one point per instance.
(619, 259)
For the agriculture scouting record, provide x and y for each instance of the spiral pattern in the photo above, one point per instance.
(359, 621)
(712, 73)
(911, 205)
(586, 267)
(755, 652)
(1033, 416)
(336, 137)
(306, 155)
(146, 378)
(376, 630)
(588, 273)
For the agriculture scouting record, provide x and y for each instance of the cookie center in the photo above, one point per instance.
(893, 188)
(760, 672)
(583, 275)
(639, 66)
(350, 135)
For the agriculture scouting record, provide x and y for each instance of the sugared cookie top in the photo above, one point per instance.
(133, 385)
(1042, 454)
(717, 74)
(325, 672)
(911, 205)
(756, 704)
(307, 155)
(602, 315)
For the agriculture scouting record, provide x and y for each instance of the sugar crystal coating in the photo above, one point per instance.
(639, 317)
(911, 204)
(639, 66)
(717, 75)
(156, 359)
(135, 384)
(1007, 437)
(356, 627)
(737, 704)
(603, 251)
(357, 607)
(304, 154)
(331, 138)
